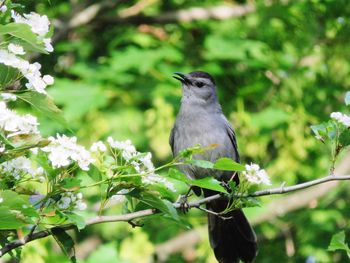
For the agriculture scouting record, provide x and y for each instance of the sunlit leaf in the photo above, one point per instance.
(338, 242)
(24, 34)
(43, 104)
(228, 164)
(201, 163)
(208, 183)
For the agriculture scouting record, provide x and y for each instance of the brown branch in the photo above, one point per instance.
(276, 208)
(196, 204)
(184, 15)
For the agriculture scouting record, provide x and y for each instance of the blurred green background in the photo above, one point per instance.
(280, 66)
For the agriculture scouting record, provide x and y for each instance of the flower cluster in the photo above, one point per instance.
(40, 25)
(31, 72)
(11, 56)
(70, 201)
(142, 162)
(341, 117)
(64, 150)
(255, 175)
(20, 167)
(13, 124)
(98, 147)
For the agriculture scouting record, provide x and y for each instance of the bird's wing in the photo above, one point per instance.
(171, 139)
(231, 134)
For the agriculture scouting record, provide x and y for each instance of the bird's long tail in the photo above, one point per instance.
(232, 238)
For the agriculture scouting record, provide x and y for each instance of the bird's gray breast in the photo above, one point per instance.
(207, 130)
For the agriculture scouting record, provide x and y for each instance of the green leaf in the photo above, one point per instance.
(76, 219)
(7, 75)
(344, 138)
(338, 242)
(70, 183)
(201, 163)
(65, 242)
(162, 205)
(347, 98)
(227, 164)
(14, 201)
(208, 183)
(10, 219)
(177, 175)
(25, 36)
(43, 104)
(187, 153)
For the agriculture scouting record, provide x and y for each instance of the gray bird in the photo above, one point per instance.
(200, 121)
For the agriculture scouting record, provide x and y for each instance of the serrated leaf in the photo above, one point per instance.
(347, 98)
(24, 34)
(208, 183)
(227, 164)
(201, 163)
(43, 104)
(65, 242)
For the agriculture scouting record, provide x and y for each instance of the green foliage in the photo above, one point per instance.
(338, 243)
(278, 69)
(65, 242)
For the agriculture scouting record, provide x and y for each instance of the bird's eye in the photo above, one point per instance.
(199, 84)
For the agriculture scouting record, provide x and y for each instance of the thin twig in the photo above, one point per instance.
(147, 212)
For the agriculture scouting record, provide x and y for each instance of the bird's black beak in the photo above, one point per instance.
(182, 77)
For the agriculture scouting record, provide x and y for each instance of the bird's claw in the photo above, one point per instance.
(184, 207)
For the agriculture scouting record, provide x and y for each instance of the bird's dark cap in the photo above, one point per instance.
(202, 74)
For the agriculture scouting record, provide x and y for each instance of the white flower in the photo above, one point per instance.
(47, 43)
(147, 162)
(2, 148)
(80, 205)
(255, 175)
(19, 167)
(14, 124)
(38, 24)
(8, 97)
(1, 199)
(3, 8)
(155, 178)
(49, 80)
(34, 150)
(64, 202)
(30, 71)
(342, 118)
(118, 198)
(70, 201)
(98, 147)
(126, 147)
(336, 115)
(64, 150)
(16, 49)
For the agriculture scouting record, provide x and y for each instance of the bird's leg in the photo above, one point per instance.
(184, 207)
